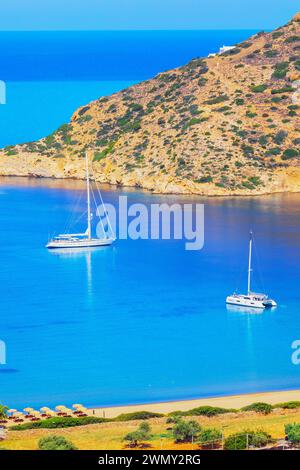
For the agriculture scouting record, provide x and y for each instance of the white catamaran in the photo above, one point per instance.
(251, 299)
(82, 240)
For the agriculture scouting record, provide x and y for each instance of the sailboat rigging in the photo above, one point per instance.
(82, 240)
(251, 299)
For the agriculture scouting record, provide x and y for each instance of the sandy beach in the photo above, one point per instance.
(234, 401)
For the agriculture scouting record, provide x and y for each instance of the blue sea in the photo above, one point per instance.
(48, 75)
(145, 320)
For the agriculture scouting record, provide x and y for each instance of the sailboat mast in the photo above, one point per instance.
(249, 264)
(88, 196)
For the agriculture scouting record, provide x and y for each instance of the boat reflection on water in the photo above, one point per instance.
(87, 254)
(245, 310)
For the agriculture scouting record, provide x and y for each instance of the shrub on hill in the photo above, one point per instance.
(280, 70)
(286, 89)
(290, 153)
(137, 415)
(292, 432)
(259, 88)
(288, 405)
(259, 407)
(217, 99)
(59, 422)
(209, 411)
(292, 39)
(211, 436)
(242, 440)
(204, 179)
(55, 443)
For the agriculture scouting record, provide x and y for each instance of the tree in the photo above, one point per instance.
(3, 411)
(186, 431)
(143, 433)
(55, 443)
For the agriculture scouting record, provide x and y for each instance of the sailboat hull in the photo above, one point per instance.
(85, 243)
(250, 301)
(242, 302)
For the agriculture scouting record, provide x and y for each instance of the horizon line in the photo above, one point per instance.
(126, 30)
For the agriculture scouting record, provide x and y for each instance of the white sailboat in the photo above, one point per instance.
(251, 299)
(81, 240)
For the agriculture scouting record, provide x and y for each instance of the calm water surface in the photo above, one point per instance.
(143, 320)
(49, 74)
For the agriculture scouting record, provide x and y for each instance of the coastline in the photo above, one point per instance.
(227, 401)
(59, 181)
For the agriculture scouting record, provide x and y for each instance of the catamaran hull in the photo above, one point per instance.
(231, 300)
(93, 243)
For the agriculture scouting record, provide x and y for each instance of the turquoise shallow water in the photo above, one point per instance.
(144, 320)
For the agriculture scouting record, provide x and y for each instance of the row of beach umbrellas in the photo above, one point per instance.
(45, 410)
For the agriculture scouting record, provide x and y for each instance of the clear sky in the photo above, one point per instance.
(145, 14)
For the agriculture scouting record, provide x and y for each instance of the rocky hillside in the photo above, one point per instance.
(222, 125)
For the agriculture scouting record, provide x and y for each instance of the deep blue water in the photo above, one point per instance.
(143, 320)
(105, 55)
(50, 74)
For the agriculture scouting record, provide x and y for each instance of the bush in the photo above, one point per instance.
(286, 89)
(271, 54)
(216, 100)
(242, 440)
(210, 435)
(290, 153)
(259, 407)
(281, 70)
(59, 422)
(237, 441)
(259, 88)
(292, 39)
(138, 415)
(209, 411)
(255, 180)
(293, 432)
(204, 179)
(55, 443)
(259, 439)
(186, 431)
(100, 155)
(288, 405)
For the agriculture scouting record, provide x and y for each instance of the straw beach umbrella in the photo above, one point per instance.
(44, 409)
(10, 412)
(28, 409)
(60, 407)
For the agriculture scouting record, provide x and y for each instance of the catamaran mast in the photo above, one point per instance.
(249, 264)
(88, 196)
